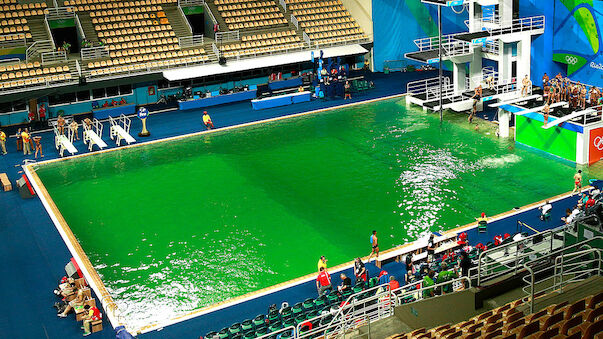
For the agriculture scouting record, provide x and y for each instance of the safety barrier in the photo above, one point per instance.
(38, 47)
(183, 16)
(190, 41)
(189, 3)
(53, 57)
(228, 36)
(495, 28)
(211, 15)
(283, 4)
(94, 52)
(294, 21)
(59, 13)
(80, 29)
(421, 86)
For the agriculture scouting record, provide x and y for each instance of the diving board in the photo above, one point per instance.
(540, 108)
(93, 132)
(64, 143)
(516, 100)
(568, 117)
(120, 130)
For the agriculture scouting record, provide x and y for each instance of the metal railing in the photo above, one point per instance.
(190, 41)
(255, 52)
(185, 19)
(49, 32)
(491, 46)
(94, 52)
(512, 26)
(450, 46)
(294, 21)
(337, 42)
(80, 29)
(306, 38)
(228, 36)
(421, 86)
(283, 4)
(395, 65)
(140, 69)
(188, 3)
(53, 57)
(566, 268)
(59, 13)
(216, 50)
(13, 40)
(16, 86)
(38, 47)
(211, 15)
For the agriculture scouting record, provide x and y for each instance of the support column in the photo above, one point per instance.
(459, 74)
(475, 68)
(524, 54)
(505, 66)
(505, 11)
(504, 121)
(582, 143)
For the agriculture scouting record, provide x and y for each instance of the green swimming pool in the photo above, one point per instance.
(179, 225)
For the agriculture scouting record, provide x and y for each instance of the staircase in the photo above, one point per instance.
(177, 20)
(88, 27)
(38, 28)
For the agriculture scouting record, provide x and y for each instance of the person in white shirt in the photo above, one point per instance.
(545, 211)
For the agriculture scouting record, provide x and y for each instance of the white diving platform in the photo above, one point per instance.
(573, 115)
(64, 142)
(539, 108)
(516, 100)
(120, 130)
(93, 134)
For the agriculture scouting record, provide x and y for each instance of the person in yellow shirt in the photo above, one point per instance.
(26, 142)
(3, 142)
(207, 120)
(322, 263)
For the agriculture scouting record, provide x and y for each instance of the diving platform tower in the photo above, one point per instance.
(494, 32)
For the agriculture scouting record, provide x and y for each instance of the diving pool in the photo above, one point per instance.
(175, 226)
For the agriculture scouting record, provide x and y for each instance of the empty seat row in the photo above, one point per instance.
(269, 35)
(21, 14)
(264, 50)
(319, 10)
(118, 18)
(125, 11)
(130, 24)
(33, 73)
(113, 6)
(332, 27)
(19, 66)
(314, 4)
(18, 7)
(151, 55)
(335, 34)
(137, 37)
(12, 22)
(141, 30)
(261, 43)
(144, 50)
(315, 17)
(318, 23)
(247, 12)
(119, 2)
(248, 5)
(338, 40)
(144, 43)
(226, 2)
(35, 81)
(14, 37)
(15, 29)
(256, 24)
(137, 64)
(7, 2)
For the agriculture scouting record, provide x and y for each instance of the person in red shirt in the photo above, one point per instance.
(42, 112)
(393, 283)
(462, 239)
(323, 282)
(589, 203)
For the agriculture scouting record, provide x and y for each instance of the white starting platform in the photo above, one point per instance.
(120, 130)
(93, 134)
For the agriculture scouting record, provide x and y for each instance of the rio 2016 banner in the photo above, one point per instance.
(577, 39)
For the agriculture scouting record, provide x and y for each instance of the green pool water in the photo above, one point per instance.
(179, 225)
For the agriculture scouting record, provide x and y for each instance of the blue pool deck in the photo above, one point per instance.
(34, 254)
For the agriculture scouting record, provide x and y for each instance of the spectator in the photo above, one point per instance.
(464, 264)
(207, 120)
(393, 283)
(123, 101)
(3, 142)
(66, 288)
(346, 283)
(446, 275)
(26, 142)
(322, 262)
(428, 281)
(91, 314)
(106, 104)
(323, 282)
(545, 211)
(114, 102)
(462, 239)
(75, 304)
(408, 262)
(360, 270)
(590, 202)
(430, 249)
(42, 112)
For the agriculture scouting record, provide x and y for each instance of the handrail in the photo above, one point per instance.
(283, 4)
(190, 3)
(49, 32)
(59, 13)
(188, 24)
(79, 26)
(216, 50)
(94, 52)
(512, 26)
(53, 56)
(211, 15)
(190, 41)
(37, 48)
(227, 36)
(294, 21)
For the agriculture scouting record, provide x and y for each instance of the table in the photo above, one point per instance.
(281, 100)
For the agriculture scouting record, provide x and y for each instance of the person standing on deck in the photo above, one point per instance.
(375, 246)
(323, 282)
(3, 142)
(322, 263)
(36, 141)
(25, 137)
(577, 182)
(545, 113)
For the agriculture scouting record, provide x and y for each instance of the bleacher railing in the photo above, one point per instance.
(211, 15)
(94, 52)
(38, 47)
(189, 3)
(294, 21)
(283, 4)
(80, 29)
(140, 69)
(216, 50)
(49, 32)
(572, 264)
(263, 51)
(59, 13)
(306, 39)
(227, 36)
(190, 41)
(337, 42)
(37, 82)
(53, 57)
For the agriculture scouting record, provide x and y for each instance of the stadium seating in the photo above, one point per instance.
(263, 43)
(580, 319)
(13, 19)
(325, 22)
(28, 73)
(246, 15)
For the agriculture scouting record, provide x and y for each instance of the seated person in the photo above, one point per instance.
(75, 304)
(66, 288)
(207, 120)
(446, 275)
(92, 314)
(393, 283)
(428, 280)
(114, 102)
(545, 211)
(346, 283)
(123, 101)
(106, 104)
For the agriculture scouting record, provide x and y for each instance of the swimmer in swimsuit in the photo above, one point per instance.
(375, 246)
(477, 97)
(577, 182)
(545, 114)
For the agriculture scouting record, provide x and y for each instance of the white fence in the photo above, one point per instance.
(59, 13)
(421, 86)
(216, 50)
(94, 53)
(227, 36)
(52, 57)
(190, 41)
(38, 47)
(283, 4)
(294, 21)
(189, 3)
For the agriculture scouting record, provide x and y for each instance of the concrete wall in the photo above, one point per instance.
(362, 11)
(451, 308)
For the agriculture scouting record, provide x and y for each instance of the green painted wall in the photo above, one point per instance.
(557, 141)
(61, 23)
(12, 52)
(192, 10)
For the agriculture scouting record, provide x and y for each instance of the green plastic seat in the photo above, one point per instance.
(286, 313)
(289, 322)
(247, 325)
(211, 335)
(260, 320)
(297, 309)
(312, 315)
(333, 298)
(260, 331)
(320, 301)
(308, 304)
(274, 316)
(357, 289)
(234, 328)
(224, 333)
(299, 319)
(275, 326)
(374, 281)
(287, 335)
(249, 335)
(482, 227)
